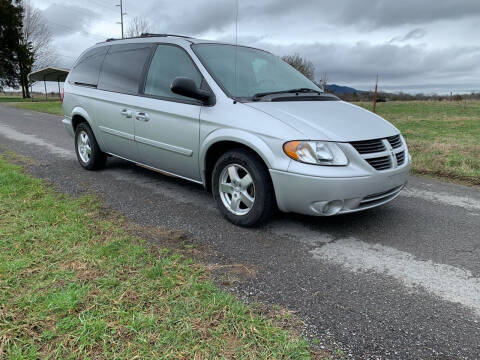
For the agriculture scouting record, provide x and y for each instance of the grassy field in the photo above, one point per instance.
(443, 137)
(50, 107)
(13, 99)
(8, 98)
(74, 284)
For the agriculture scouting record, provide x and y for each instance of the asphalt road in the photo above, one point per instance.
(398, 282)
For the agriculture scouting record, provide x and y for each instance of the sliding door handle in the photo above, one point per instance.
(126, 112)
(142, 116)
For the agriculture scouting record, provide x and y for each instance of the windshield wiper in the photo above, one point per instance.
(291, 91)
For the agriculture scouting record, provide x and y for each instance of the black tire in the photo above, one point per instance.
(264, 197)
(97, 158)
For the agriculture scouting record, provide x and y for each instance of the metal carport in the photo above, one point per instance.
(49, 74)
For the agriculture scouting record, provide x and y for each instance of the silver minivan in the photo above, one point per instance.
(249, 127)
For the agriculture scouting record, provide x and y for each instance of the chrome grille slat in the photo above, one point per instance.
(400, 157)
(380, 163)
(369, 146)
(395, 141)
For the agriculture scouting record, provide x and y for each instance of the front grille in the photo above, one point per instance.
(378, 152)
(395, 141)
(400, 157)
(380, 163)
(369, 146)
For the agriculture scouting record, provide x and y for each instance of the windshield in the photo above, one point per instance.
(257, 71)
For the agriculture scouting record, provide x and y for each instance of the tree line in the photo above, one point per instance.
(25, 44)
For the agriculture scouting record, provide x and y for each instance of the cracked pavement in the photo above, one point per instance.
(397, 282)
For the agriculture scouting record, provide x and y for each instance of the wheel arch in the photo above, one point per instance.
(218, 143)
(80, 115)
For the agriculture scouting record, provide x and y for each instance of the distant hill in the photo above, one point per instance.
(341, 90)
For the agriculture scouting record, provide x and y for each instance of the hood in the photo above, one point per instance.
(328, 120)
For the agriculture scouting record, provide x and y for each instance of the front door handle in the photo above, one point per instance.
(142, 116)
(126, 112)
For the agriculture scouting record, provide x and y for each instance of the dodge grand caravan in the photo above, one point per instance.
(249, 127)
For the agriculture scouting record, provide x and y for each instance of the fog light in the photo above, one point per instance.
(332, 207)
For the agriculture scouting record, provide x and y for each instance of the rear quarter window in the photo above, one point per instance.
(87, 68)
(123, 68)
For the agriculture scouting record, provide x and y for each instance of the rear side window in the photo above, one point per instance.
(168, 63)
(87, 68)
(123, 67)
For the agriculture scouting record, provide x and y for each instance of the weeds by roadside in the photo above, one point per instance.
(75, 285)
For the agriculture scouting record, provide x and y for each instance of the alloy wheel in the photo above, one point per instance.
(237, 189)
(83, 146)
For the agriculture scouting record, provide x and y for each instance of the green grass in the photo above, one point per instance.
(50, 107)
(74, 284)
(443, 137)
(13, 99)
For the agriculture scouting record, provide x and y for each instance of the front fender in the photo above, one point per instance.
(259, 144)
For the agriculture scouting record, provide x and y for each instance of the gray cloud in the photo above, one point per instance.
(64, 20)
(193, 18)
(381, 13)
(410, 43)
(414, 34)
(359, 63)
(366, 15)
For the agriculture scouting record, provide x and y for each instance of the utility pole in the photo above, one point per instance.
(121, 15)
(375, 96)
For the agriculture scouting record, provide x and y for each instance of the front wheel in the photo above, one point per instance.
(242, 188)
(88, 152)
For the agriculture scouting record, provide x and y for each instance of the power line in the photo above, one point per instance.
(67, 56)
(86, 12)
(112, 9)
(82, 10)
(75, 30)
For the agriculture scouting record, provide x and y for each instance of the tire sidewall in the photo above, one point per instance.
(261, 207)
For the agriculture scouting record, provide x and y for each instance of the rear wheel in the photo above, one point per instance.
(242, 188)
(88, 152)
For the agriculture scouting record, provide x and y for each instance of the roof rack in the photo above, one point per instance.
(163, 35)
(147, 35)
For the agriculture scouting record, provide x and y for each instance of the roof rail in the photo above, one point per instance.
(147, 35)
(164, 35)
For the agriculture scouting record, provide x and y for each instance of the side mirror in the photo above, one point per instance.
(187, 87)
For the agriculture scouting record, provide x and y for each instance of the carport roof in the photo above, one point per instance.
(48, 74)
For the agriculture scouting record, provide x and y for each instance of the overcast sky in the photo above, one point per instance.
(415, 45)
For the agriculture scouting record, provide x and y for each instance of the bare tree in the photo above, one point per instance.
(138, 26)
(305, 66)
(38, 35)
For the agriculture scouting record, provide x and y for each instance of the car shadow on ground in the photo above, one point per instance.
(341, 225)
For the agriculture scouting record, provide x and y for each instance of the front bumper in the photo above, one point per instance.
(324, 196)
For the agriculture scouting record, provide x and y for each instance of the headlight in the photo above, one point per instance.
(316, 152)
